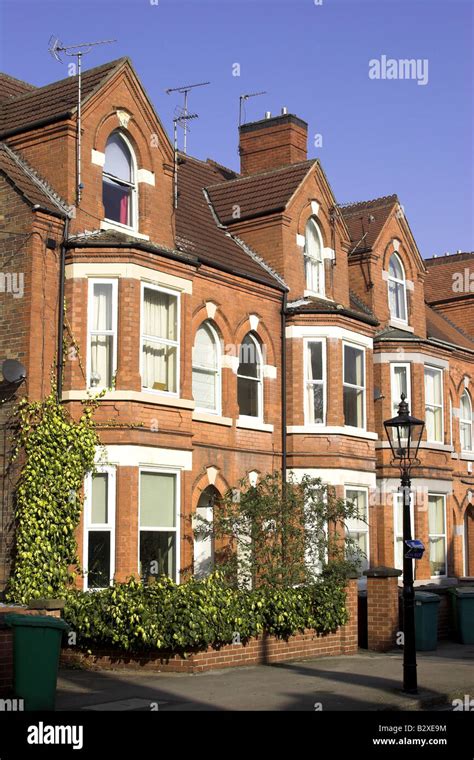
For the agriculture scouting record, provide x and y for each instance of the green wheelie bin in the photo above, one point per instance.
(36, 649)
(462, 598)
(426, 620)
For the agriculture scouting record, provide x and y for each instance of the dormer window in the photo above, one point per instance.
(313, 257)
(397, 289)
(119, 181)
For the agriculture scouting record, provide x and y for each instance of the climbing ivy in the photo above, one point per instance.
(56, 452)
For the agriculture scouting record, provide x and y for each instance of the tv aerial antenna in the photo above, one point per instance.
(184, 90)
(58, 49)
(244, 98)
(180, 120)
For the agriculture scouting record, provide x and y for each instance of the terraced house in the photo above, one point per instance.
(240, 322)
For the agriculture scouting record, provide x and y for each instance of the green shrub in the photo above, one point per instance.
(196, 614)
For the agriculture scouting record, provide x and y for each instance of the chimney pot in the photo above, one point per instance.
(268, 114)
(284, 111)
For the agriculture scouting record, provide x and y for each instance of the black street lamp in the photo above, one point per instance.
(404, 434)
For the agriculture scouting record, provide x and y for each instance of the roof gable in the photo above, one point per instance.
(10, 87)
(34, 189)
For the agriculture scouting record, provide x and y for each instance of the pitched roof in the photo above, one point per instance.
(53, 101)
(10, 87)
(262, 193)
(439, 327)
(34, 189)
(199, 232)
(314, 305)
(365, 220)
(441, 275)
(116, 239)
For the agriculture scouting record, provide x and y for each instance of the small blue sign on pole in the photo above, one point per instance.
(416, 548)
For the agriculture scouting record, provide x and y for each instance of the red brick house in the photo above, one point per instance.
(240, 322)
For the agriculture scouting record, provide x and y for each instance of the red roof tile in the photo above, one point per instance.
(198, 231)
(442, 271)
(366, 219)
(53, 100)
(28, 183)
(440, 328)
(11, 87)
(262, 193)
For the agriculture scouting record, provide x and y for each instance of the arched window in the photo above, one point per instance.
(206, 369)
(313, 257)
(250, 378)
(203, 526)
(397, 289)
(465, 422)
(119, 181)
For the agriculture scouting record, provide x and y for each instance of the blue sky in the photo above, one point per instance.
(378, 136)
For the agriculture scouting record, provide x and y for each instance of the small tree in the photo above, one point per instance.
(281, 534)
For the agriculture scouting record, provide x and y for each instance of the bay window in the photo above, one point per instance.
(99, 529)
(437, 534)
(465, 422)
(434, 404)
(119, 181)
(206, 369)
(400, 383)
(158, 543)
(102, 333)
(354, 386)
(315, 382)
(160, 339)
(250, 378)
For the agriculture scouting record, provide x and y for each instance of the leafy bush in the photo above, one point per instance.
(199, 613)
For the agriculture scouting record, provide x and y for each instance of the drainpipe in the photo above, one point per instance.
(62, 270)
(283, 388)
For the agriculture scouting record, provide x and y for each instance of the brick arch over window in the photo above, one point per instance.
(202, 482)
(139, 140)
(219, 320)
(262, 334)
(321, 217)
(406, 260)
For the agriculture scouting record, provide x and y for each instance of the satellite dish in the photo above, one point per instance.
(13, 371)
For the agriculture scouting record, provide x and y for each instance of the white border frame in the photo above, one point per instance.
(114, 332)
(445, 534)
(365, 489)
(166, 341)
(465, 421)
(217, 412)
(306, 257)
(440, 371)
(111, 526)
(247, 419)
(133, 185)
(306, 342)
(163, 471)
(344, 384)
(403, 282)
(407, 367)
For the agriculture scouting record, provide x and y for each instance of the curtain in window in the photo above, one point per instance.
(101, 344)
(118, 180)
(433, 403)
(400, 385)
(249, 378)
(396, 289)
(157, 524)
(354, 383)
(313, 258)
(205, 369)
(357, 528)
(437, 535)
(159, 358)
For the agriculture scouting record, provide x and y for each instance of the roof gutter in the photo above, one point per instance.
(344, 312)
(91, 243)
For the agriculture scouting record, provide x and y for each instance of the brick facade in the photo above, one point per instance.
(237, 295)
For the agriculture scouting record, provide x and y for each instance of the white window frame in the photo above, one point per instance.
(311, 260)
(407, 367)
(366, 530)
(110, 526)
(349, 385)
(158, 529)
(306, 382)
(435, 406)
(402, 282)
(398, 498)
(133, 186)
(463, 422)
(90, 332)
(439, 535)
(165, 341)
(247, 418)
(217, 372)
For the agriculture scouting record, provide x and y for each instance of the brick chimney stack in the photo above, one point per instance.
(272, 142)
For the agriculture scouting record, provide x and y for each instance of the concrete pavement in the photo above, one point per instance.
(365, 681)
